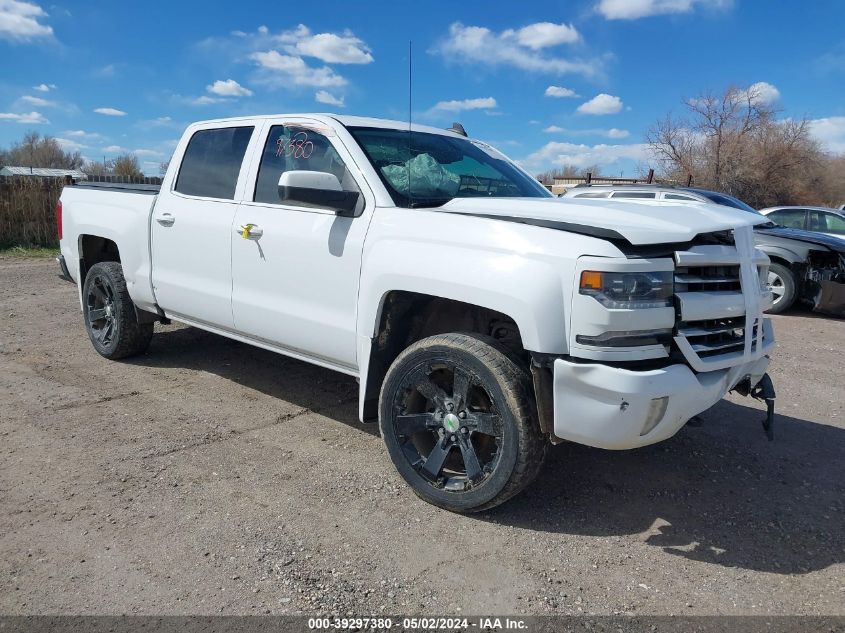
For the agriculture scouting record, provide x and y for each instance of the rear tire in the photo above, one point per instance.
(110, 316)
(458, 417)
(784, 285)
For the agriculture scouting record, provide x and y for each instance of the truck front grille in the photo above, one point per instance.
(707, 278)
(710, 303)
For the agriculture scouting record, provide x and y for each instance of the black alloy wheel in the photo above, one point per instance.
(458, 417)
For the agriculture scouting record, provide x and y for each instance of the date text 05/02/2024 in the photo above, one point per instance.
(417, 624)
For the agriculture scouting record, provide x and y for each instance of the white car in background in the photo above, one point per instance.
(816, 219)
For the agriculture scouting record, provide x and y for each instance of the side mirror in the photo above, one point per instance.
(317, 189)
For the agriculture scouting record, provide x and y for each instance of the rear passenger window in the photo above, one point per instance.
(212, 162)
(675, 196)
(827, 222)
(635, 194)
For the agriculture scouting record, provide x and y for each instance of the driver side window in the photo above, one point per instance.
(790, 218)
(299, 148)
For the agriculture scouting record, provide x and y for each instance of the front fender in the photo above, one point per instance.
(778, 252)
(527, 290)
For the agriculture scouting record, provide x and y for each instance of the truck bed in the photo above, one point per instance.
(118, 186)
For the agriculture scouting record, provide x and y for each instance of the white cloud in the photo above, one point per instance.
(82, 134)
(763, 93)
(69, 145)
(35, 118)
(228, 88)
(560, 92)
(483, 103)
(110, 111)
(162, 121)
(281, 69)
(635, 9)
(38, 102)
(327, 47)
(467, 44)
(323, 96)
(601, 104)
(617, 133)
(614, 133)
(204, 100)
(115, 149)
(44, 87)
(19, 21)
(147, 152)
(109, 70)
(291, 59)
(830, 133)
(581, 155)
(544, 34)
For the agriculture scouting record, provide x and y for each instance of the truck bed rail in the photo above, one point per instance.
(122, 186)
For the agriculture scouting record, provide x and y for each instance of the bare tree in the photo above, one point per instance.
(126, 165)
(35, 150)
(735, 143)
(99, 168)
(567, 171)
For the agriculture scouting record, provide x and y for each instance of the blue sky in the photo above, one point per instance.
(549, 83)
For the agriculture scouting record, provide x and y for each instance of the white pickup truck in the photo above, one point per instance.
(484, 318)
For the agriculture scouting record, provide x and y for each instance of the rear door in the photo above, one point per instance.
(295, 275)
(191, 228)
(826, 222)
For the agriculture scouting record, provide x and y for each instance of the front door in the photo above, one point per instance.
(296, 265)
(191, 228)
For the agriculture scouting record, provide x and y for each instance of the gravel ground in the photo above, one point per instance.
(210, 477)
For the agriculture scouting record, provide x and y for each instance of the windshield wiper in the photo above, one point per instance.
(420, 203)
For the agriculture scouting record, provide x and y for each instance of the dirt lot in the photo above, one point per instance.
(210, 477)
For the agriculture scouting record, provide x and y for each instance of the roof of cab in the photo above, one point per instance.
(343, 119)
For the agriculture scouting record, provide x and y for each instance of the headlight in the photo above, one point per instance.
(623, 291)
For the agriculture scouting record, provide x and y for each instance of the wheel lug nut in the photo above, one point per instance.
(464, 430)
(450, 406)
(453, 438)
(462, 415)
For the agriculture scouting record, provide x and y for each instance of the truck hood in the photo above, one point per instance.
(638, 222)
(835, 244)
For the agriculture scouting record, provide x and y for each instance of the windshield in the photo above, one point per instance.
(421, 169)
(728, 201)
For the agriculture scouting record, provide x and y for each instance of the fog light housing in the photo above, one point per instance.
(633, 338)
(656, 411)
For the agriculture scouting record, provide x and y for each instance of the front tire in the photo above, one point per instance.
(459, 421)
(783, 283)
(110, 316)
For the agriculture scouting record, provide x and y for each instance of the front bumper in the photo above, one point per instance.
(607, 407)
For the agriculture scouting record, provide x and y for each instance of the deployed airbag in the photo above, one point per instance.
(428, 177)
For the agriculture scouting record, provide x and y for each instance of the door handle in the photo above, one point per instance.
(250, 231)
(166, 219)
